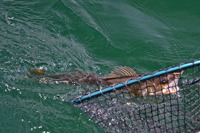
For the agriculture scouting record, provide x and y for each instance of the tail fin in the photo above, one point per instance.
(37, 72)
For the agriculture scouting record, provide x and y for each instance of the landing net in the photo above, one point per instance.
(117, 109)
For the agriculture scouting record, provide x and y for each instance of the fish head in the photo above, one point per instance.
(166, 84)
(171, 85)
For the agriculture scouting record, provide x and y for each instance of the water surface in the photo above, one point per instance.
(92, 35)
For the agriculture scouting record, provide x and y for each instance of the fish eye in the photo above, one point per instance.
(164, 81)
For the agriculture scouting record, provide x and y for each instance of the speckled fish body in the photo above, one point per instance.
(166, 84)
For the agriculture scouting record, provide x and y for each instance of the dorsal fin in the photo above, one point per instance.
(121, 72)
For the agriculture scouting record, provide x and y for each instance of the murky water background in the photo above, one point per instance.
(95, 36)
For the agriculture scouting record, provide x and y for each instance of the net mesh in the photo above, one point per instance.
(123, 111)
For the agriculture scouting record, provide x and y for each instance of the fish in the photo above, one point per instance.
(165, 84)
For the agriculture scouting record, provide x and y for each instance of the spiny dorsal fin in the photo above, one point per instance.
(121, 72)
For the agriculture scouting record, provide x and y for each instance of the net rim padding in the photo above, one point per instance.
(134, 81)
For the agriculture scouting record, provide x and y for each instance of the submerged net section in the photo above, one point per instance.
(143, 107)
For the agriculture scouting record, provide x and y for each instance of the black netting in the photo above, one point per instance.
(142, 110)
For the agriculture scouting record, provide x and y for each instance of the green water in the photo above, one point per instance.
(92, 35)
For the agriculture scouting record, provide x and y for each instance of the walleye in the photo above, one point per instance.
(165, 84)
